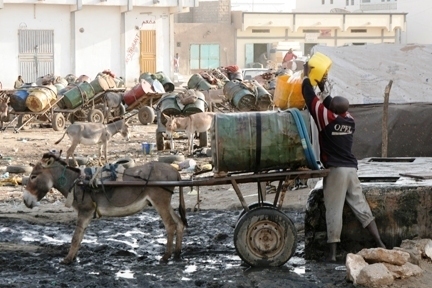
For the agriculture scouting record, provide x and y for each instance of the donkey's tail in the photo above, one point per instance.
(58, 141)
(182, 207)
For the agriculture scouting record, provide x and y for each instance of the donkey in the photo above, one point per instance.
(90, 133)
(113, 100)
(113, 200)
(4, 107)
(198, 122)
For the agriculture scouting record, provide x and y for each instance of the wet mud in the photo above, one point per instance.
(125, 252)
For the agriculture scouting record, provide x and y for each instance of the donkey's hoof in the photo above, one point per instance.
(163, 260)
(66, 261)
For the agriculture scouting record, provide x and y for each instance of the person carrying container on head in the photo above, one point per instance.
(336, 128)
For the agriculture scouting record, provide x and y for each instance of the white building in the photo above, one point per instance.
(417, 19)
(61, 37)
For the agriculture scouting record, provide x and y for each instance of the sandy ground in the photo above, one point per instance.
(218, 205)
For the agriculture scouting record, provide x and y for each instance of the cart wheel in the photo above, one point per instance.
(254, 206)
(22, 119)
(146, 115)
(203, 139)
(265, 237)
(96, 116)
(58, 122)
(159, 141)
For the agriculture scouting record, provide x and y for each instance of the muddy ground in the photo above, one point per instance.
(125, 252)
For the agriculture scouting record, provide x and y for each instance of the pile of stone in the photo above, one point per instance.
(378, 267)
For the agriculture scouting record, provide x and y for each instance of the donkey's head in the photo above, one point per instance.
(49, 172)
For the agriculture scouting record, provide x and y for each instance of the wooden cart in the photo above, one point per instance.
(264, 236)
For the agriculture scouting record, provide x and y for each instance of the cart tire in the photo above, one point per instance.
(159, 141)
(203, 139)
(171, 158)
(254, 206)
(146, 115)
(22, 119)
(265, 237)
(96, 116)
(58, 122)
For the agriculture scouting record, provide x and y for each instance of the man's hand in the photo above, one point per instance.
(321, 84)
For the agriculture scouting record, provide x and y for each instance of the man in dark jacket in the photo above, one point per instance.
(336, 128)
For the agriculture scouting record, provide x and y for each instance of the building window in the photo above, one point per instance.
(347, 3)
(358, 30)
(322, 2)
(352, 2)
(365, 1)
(260, 30)
(331, 1)
(311, 31)
(204, 56)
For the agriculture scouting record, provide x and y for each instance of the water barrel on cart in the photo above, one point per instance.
(257, 141)
(77, 95)
(102, 82)
(41, 97)
(168, 104)
(240, 96)
(199, 105)
(196, 81)
(18, 100)
(166, 82)
(138, 91)
(263, 97)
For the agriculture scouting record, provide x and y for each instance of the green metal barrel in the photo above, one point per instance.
(257, 141)
(264, 99)
(76, 96)
(198, 106)
(165, 81)
(240, 96)
(168, 105)
(196, 81)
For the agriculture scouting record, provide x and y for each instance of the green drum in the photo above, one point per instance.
(240, 96)
(196, 81)
(76, 96)
(264, 99)
(257, 141)
(198, 106)
(165, 81)
(102, 82)
(168, 104)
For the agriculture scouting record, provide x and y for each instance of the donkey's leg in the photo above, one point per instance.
(162, 204)
(70, 152)
(84, 218)
(179, 233)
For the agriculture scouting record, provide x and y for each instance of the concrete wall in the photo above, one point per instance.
(202, 33)
(93, 38)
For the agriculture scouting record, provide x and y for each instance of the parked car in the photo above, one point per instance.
(250, 73)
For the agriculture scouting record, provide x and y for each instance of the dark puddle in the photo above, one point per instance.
(125, 252)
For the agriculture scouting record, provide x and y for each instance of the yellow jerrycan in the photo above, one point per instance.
(288, 91)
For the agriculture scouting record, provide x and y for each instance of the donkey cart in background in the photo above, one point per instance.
(46, 115)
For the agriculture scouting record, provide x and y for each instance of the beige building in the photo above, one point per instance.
(212, 35)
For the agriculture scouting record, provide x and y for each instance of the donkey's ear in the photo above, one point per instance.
(167, 117)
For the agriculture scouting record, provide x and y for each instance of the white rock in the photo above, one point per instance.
(354, 264)
(375, 275)
(423, 245)
(404, 271)
(415, 254)
(376, 255)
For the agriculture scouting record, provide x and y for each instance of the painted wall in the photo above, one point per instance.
(25, 16)
(418, 21)
(202, 33)
(91, 39)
